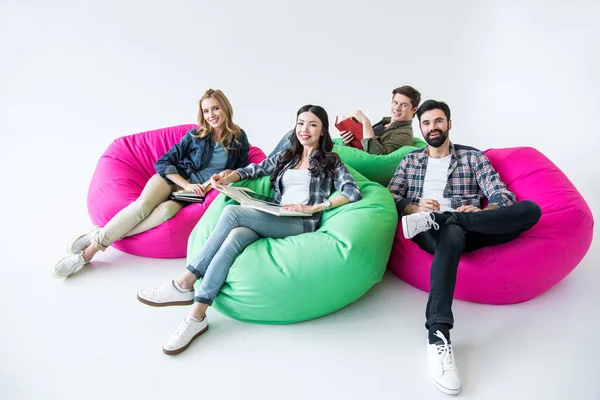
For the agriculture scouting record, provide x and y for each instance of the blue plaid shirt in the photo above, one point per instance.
(471, 177)
(320, 186)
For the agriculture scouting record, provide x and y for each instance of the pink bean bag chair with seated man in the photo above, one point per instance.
(528, 266)
(120, 176)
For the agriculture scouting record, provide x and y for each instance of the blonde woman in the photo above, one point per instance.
(217, 145)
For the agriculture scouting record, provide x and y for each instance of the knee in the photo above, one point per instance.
(143, 208)
(230, 211)
(532, 210)
(168, 209)
(237, 237)
(453, 234)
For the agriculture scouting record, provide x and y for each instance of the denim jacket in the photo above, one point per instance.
(320, 186)
(192, 154)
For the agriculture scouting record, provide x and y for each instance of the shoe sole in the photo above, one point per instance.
(446, 390)
(405, 228)
(182, 349)
(171, 303)
(70, 246)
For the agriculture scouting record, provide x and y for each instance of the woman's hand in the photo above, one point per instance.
(194, 188)
(347, 137)
(299, 207)
(468, 208)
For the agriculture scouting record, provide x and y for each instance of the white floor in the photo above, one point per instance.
(75, 75)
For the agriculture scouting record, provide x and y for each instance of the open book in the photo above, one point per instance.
(351, 125)
(191, 197)
(249, 198)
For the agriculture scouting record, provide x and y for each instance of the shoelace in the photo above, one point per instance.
(426, 222)
(445, 352)
(183, 328)
(162, 288)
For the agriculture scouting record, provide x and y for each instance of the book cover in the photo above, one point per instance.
(351, 125)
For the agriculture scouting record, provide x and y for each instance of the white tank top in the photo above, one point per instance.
(296, 186)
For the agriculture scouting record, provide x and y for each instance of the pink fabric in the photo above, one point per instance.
(120, 176)
(529, 265)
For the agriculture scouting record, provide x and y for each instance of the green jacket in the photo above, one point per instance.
(393, 137)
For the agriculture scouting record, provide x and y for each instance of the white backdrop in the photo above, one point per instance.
(75, 75)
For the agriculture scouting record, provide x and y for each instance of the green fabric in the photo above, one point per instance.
(379, 169)
(278, 281)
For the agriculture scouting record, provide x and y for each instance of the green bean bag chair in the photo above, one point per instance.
(378, 169)
(280, 281)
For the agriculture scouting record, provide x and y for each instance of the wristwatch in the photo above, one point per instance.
(327, 204)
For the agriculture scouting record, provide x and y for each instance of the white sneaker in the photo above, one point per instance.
(185, 334)
(165, 295)
(414, 224)
(69, 265)
(442, 366)
(83, 241)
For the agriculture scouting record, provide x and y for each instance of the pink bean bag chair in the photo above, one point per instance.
(529, 265)
(120, 176)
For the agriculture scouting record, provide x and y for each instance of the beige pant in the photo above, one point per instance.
(151, 209)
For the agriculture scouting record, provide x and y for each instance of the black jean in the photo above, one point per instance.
(461, 232)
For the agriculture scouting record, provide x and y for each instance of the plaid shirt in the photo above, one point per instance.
(470, 178)
(320, 186)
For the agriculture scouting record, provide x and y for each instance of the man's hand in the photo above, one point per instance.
(360, 117)
(468, 208)
(347, 137)
(429, 205)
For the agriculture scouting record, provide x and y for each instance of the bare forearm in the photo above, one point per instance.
(177, 179)
(368, 130)
(411, 209)
(230, 178)
(336, 201)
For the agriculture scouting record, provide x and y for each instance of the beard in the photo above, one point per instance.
(438, 141)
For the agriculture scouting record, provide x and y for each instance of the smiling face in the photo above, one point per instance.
(309, 129)
(435, 127)
(402, 108)
(212, 113)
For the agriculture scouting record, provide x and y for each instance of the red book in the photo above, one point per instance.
(351, 125)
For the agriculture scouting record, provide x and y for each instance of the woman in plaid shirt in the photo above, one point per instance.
(303, 178)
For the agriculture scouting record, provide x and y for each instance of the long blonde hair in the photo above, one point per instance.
(231, 131)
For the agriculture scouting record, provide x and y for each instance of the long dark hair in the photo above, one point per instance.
(324, 159)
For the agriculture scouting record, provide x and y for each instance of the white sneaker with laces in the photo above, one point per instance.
(442, 365)
(414, 224)
(69, 265)
(165, 295)
(185, 334)
(83, 241)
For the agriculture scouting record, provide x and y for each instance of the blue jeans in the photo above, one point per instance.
(464, 232)
(237, 228)
(283, 144)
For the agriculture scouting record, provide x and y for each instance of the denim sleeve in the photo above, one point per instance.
(398, 186)
(490, 183)
(283, 144)
(345, 184)
(242, 160)
(167, 164)
(253, 171)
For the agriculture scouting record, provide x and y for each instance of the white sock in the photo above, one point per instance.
(195, 319)
(182, 290)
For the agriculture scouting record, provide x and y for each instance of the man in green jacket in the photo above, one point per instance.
(393, 132)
